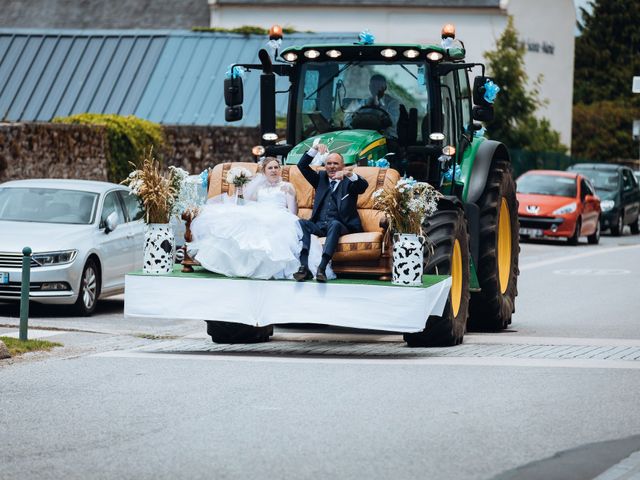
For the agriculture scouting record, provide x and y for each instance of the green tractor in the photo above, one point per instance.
(422, 119)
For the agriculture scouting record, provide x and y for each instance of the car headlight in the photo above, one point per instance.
(566, 209)
(607, 205)
(55, 258)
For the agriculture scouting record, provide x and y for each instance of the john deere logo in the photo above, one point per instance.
(533, 209)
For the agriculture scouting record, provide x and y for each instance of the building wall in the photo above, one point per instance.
(103, 13)
(549, 22)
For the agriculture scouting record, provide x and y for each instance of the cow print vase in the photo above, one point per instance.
(159, 249)
(408, 251)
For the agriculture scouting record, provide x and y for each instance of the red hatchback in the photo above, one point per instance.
(558, 204)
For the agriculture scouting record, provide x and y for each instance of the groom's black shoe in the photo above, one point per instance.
(321, 276)
(302, 275)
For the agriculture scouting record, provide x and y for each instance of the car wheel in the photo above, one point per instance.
(617, 229)
(635, 226)
(594, 239)
(573, 239)
(89, 289)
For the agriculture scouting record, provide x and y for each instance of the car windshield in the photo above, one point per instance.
(331, 93)
(602, 180)
(547, 185)
(47, 205)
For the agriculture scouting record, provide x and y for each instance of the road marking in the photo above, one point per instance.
(439, 361)
(544, 263)
(592, 271)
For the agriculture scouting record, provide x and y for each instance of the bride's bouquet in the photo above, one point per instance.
(407, 205)
(239, 176)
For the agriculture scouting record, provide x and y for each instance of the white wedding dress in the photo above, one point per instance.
(256, 239)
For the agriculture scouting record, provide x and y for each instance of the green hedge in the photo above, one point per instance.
(129, 137)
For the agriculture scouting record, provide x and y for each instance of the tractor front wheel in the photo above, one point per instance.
(491, 308)
(228, 332)
(446, 253)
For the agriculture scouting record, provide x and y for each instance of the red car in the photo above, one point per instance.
(558, 204)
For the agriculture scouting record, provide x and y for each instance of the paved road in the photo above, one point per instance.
(310, 405)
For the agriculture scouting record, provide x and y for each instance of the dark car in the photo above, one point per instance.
(619, 194)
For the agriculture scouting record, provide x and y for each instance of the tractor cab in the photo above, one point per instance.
(404, 103)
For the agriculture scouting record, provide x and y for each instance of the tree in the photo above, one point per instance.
(607, 57)
(607, 53)
(515, 123)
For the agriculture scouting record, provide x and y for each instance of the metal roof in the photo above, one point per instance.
(170, 77)
(368, 3)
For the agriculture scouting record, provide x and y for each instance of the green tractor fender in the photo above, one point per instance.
(485, 155)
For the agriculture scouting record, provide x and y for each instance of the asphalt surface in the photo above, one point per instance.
(555, 396)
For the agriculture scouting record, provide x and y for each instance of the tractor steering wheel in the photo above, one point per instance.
(371, 117)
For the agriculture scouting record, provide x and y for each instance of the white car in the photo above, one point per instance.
(84, 235)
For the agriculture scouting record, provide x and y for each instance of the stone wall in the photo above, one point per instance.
(49, 150)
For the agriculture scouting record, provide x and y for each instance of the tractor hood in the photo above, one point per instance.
(352, 144)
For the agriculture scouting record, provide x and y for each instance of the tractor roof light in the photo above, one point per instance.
(275, 32)
(334, 53)
(411, 53)
(270, 137)
(290, 56)
(388, 53)
(448, 31)
(434, 56)
(311, 54)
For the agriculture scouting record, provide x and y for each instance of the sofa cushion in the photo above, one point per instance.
(358, 247)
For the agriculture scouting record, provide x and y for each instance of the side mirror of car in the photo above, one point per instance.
(482, 113)
(111, 223)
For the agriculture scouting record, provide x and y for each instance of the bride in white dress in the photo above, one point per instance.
(260, 238)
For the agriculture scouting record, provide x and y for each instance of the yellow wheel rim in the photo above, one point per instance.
(504, 246)
(456, 278)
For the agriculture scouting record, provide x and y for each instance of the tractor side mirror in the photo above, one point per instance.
(233, 91)
(479, 91)
(233, 114)
(482, 114)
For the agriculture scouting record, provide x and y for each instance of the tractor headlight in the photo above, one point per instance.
(607, 205)
(311, 54)
(411, 53)
(55, 258)
(566, 209)
(388, 53)
(290, 56)
(434, 56)
(333, 53)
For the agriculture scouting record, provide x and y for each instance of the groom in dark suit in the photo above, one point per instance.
(335, 211)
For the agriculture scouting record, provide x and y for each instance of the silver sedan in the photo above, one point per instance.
(85, 236)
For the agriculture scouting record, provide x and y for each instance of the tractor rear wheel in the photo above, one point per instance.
(497, 269)
(446, 253)
(228, 332)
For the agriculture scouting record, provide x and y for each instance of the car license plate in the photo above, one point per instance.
(4, 278)
(531, 232)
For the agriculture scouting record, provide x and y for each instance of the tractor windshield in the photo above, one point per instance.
(391, 98)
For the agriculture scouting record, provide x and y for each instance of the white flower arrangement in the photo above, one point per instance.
(407, 205)
(239, 176)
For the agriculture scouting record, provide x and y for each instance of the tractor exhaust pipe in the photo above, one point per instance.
(267, 96)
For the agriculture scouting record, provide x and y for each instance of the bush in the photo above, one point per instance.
(129, 137)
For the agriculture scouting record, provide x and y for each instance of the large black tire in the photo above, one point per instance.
(492, 307)
(594, 238)
(618, 228)
(89, 290)
(446, 231)
(228, 332)
(575, 238)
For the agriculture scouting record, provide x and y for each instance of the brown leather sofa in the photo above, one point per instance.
(367, 252)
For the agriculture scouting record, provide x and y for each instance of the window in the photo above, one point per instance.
(627, 180)
(132, 206)
(448, 89)
(111, 204)
(465, 99)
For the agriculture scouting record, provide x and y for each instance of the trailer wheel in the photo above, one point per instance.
(228, 332)
(446, 253)
(497, 269)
